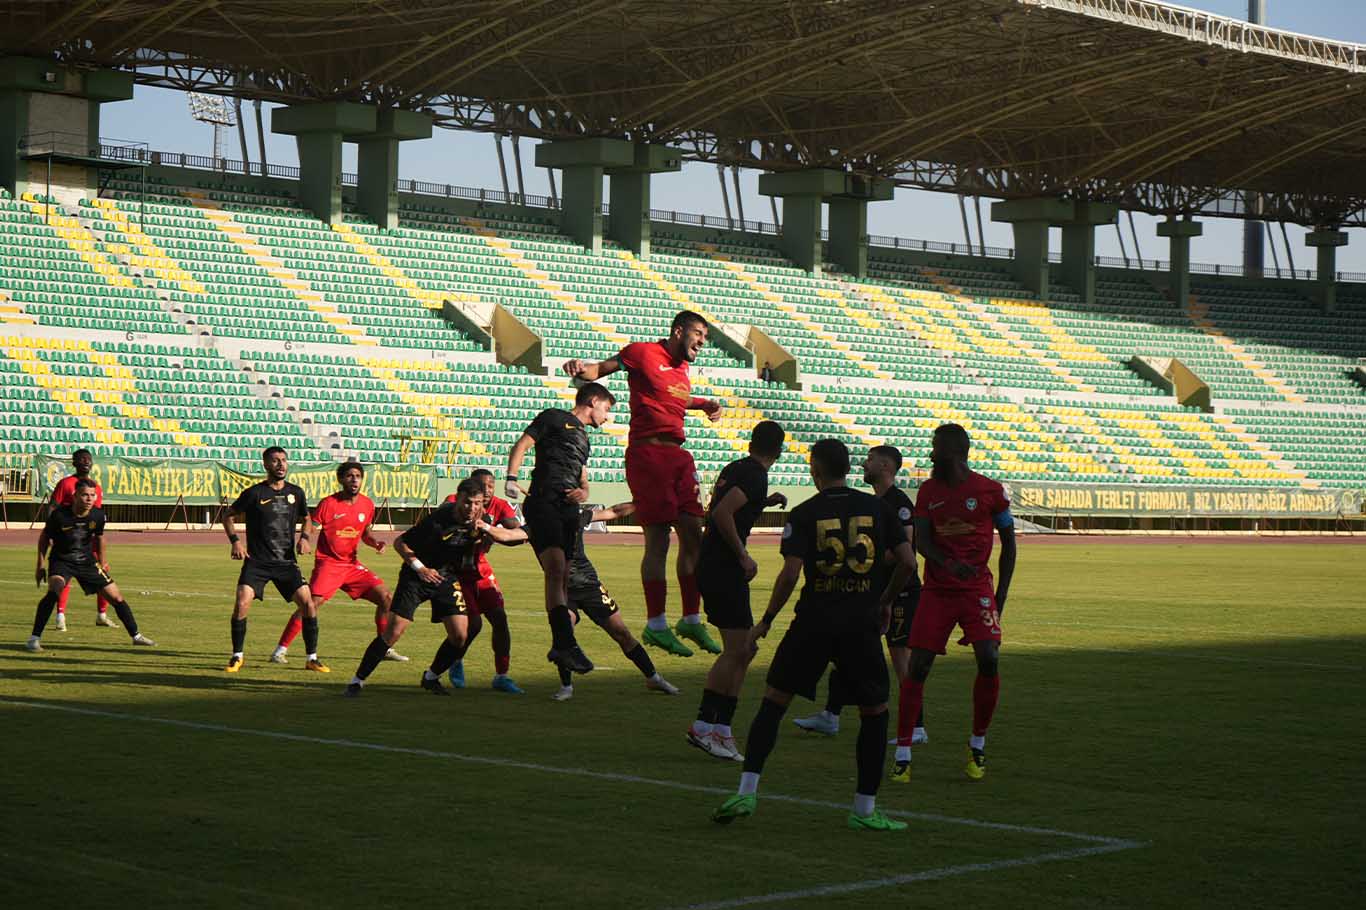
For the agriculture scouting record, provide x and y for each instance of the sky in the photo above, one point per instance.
(161, 119)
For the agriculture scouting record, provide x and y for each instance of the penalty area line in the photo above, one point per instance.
(1110, 843)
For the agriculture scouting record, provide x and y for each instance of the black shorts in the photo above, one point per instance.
(903, 611)
(811, 643)
(725, 598)
(286, 576)
(549, 524)
(446, 597)
(90, 575)
(594, 603)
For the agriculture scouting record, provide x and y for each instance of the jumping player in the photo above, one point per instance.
(835, 538)
(588, 597)
(272, 509)
(484, 597)
(559, 487)
(726, 569)
(65, 495)
(956, 511)
(76, 536)
(343, 521)
(879, 472)
(661, 473)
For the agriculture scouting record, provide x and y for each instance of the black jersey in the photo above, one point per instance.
(272, 516)
(841, 534)
(904, 510)
(561, 453)
(71, 538)
(443, 542)
(750, 476)
(581, 571)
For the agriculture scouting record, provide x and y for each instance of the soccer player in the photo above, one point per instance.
(343, 521)
(484, 597)
(726, 568)
(956, 511)
(836, 538)
(559, 487)
(272, 509)
(65, 495)
(661, 473)
(879, 472)
(434, 552)
(588, 596)
(75, 534)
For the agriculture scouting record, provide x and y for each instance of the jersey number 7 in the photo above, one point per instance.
(831, 534)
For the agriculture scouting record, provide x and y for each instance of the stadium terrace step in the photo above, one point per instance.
(852, 427)
(1199, 317)
(739, 418)
(79, 239)
(427, 404)
(11, 312)
(1044, 358)
(122, 379)
(432, 300)
(1278, 463)
(149, 256)
(67, 392)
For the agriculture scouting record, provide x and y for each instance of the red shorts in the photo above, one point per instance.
(664, 483)
(351, 577)
(481, 591)
(940, 610)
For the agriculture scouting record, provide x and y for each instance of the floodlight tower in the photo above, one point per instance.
(214, 110)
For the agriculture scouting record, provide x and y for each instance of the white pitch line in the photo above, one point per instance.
(1093, 839)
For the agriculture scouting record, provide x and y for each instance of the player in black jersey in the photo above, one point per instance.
(559, 487)
(274, 510)
(836, 538)
(879, 472)
(589, 597)
(724, 571)
(75, 534)
(435, 552)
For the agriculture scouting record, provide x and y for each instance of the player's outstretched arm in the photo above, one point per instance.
(508, 537)
(1005, 569)
(712, 409)
(611, 513)
(589, 371)
(783, 586)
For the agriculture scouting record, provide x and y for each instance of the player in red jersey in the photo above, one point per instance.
(65, 495)
(343, 521)
(956, 513)
(481, 592)
(661, 473)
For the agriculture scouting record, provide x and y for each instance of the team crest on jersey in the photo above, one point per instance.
(904, 514)
(971, 503)
(984, 601)
(360, 516)
(90, 525)
(290, 499)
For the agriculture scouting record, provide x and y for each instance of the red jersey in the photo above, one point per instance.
(965, 518)
(494, 513)
(660, 390)
(65, 493)
(343, 523)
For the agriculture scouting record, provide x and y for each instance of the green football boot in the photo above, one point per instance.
(740, 805)
(875, 822)
(697, 632)
(666, 640)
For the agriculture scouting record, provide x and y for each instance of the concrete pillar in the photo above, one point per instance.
(1180, 233)
(629, 223)
(849, 222)
(803, 193)
(377, 162)
(1079, 246)
(1030, 220)
(1326, 241)
(318, 130)
(583, 162)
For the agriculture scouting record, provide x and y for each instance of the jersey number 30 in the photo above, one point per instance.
(858, 553)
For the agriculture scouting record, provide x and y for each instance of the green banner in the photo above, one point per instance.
(151, 481)
(1111, 499)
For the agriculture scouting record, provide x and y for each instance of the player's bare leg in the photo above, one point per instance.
(653, 579)
(635, 652)
(113, 596)
(564, 649)
(691, 625)
(986, 691)
(711, 731)
(394, 627)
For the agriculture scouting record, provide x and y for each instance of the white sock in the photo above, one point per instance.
(701, 727)
(500, 676)
(658, 623)
(903, 753)
(656, 678)
(34, 638)
(918, 731)
(428, 674)
(281, 649)
(749, 783)
(977, 742)
(723, 731)
(313, 656)
(833, 718)
(863, 804)
(357, 681)
(237, 654)
(692, 618)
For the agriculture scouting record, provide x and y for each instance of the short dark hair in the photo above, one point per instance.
(956, 435)
(767, 438)
(83, 482)
(685, 318)
(271, 451)
(81, 452)
(348, 465)
(831, 457)
(892, 453)
(592, 391)
(470, 487)
(480, 473)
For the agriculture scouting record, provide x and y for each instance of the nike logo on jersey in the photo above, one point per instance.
(664, 368)
(266, 502)
(935, 505)
(342, 515)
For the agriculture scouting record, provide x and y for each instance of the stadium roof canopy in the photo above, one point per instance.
(1156, 107)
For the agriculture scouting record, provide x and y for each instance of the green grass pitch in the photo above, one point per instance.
(1180, 726)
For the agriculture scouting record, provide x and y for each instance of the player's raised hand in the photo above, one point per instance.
(512, 490)
(239, 550)
(572, 368)
(777, 499)
(712, 409)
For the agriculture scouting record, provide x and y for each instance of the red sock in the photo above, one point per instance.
(101, 604)
(292, 630)
(687, 592)
(656, 592)
(908, 709)
(380, 625)
(985, 692)
(501, 662)
(62, 598)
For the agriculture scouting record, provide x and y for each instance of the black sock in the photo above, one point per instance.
(125, 614)
(44, 613)
(727, 713)
(239, 634)
(920, 718)
(446, 656)
(871, 752)
(373, 655)
(710, 707)
(561, 628)
(834, 699)
(642, 660)
(310, 634)
(763, 735)
(566, 678)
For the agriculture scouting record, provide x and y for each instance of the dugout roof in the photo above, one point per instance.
(1156, 107)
